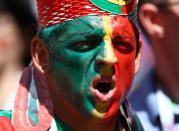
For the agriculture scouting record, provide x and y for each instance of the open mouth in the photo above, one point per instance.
(103, 88)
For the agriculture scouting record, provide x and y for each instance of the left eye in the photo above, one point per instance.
(123, 47)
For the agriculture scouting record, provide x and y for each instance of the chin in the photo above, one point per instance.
(99, 117)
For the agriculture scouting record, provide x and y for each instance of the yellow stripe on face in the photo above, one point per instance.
(100, 108)
(109, 55)
(109, 58)
(106, 20)
(97, 114)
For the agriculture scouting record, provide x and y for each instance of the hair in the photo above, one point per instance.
(21, 11)
(155, 2)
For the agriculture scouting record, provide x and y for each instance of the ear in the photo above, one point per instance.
(40, 55)
(150, 19)
(137, 59)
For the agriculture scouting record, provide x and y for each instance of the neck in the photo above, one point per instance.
(9, 76)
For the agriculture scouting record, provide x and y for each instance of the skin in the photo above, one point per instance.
(164, 41)
(88, 50)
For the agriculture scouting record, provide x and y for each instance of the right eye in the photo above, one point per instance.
(81, 47)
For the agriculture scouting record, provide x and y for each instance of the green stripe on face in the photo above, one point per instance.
(73, 60)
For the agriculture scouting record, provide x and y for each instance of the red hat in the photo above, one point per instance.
(53, 12)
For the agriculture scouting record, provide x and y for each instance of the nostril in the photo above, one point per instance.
(99, 60)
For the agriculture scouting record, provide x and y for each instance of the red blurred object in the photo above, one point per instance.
(5, 124)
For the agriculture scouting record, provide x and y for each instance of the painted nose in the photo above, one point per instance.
(107, 59)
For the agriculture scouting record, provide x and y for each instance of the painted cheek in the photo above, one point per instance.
(124, 69)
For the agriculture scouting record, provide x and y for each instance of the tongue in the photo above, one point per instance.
(103, 87)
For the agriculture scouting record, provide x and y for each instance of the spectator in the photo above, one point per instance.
(157, 104)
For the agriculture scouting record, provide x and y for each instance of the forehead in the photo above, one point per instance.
(90, 24)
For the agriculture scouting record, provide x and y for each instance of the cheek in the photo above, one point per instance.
(125, 70)
(124, 73)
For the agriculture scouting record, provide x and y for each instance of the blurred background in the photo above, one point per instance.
(18, 24)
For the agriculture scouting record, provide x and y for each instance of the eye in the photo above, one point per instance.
(80, 47)
(89, 43)
(123, 47)
(83, 46)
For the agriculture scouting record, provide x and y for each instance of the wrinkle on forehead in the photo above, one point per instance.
(82, 26)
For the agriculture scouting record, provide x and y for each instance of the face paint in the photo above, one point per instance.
(92, 64)
(124, 46)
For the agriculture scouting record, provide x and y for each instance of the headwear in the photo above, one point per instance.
(52, 12)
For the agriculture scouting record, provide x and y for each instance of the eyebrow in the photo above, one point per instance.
(121, 37)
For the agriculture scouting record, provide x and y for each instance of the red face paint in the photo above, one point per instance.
(124, 46)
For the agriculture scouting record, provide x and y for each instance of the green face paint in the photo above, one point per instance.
(84, 63)
(76, 44)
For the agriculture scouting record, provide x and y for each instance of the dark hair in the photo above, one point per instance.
(21, 11)
(155, 2)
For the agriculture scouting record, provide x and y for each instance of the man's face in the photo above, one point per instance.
(93, 63)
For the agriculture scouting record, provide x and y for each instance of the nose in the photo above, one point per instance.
(107, 59)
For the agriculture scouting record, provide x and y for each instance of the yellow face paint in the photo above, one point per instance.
(109, 55)
(100, 108)
(110, 59)
(98, 114)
